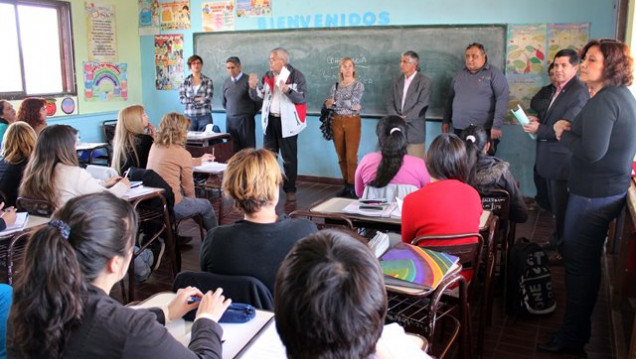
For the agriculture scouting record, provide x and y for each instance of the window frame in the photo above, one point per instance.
(67, 49)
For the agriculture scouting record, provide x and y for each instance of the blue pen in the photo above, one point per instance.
(193, 300)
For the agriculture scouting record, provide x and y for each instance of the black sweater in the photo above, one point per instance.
(603, 143)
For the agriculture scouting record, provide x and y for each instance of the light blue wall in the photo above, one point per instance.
(316, 156)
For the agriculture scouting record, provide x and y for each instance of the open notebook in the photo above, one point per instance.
(20, 223)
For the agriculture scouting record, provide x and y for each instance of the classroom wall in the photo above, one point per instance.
(316, 156)
(93, 113)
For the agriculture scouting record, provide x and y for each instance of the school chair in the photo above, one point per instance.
(36, 207)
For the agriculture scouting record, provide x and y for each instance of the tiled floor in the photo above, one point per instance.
(506, 338)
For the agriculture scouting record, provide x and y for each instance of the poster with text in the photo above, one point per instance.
(100, 27)
(169, 64)
(253, 8)
(567, 36)
(105, 81)
(175, 15)
(522, 89)
(218, 16)
(149, 17)
(526, 49)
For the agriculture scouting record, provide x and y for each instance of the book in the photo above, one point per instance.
(522, 118)
(379, 243)
(410, 266)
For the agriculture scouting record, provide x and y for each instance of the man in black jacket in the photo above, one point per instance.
(553, 158)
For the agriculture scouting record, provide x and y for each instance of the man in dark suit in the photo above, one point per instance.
(553, 158)
(409, 99)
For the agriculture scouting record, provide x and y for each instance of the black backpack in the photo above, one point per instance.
(529, 281)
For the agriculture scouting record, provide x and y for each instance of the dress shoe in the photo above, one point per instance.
(290, 196)
(555, 346)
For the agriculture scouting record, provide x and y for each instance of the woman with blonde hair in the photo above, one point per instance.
(32, 110)
(133, 138)
(256, 245)
(17, 145)
(344, 98)
(169, 158)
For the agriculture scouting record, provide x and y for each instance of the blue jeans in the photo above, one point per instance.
(197, 123)
(6, 296)
(586, 223)
(190, 206)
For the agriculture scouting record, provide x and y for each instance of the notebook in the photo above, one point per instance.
(410, 266)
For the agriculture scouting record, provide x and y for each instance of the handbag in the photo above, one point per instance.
(326, 118)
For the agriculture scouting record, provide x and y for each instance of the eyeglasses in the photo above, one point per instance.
(273, 59)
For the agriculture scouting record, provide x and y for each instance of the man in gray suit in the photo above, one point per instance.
(409, 99)
(553, 158)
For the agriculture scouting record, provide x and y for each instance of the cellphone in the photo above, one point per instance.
(372, 201)
(375, 208)
(194, 300)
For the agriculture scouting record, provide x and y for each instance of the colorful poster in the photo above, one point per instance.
(522, 89)
(175, 15)
(218, 16)
(253, 8)
(526, 49)
(104, 81)
(567, 36)
(169, 64)
(149, 17)
(102, 38)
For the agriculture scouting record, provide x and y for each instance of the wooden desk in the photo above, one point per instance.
(13, 244)
(337, 204)
(91, 147)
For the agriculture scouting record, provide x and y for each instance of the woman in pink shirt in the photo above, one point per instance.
(391, 165)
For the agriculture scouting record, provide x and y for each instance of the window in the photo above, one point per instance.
(38, 49)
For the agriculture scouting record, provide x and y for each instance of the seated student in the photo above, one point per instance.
(169, 158)
(54, 175)
(255, 245)
(7, 116)
(32, 110)
(61, 306)
(133, 138)
(447, 205)
(489, 172)
(330, 301)
(17, 146)
(391, 165)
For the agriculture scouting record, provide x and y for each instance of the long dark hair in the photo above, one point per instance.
(475, 139)
(392, 141)
(49, 293)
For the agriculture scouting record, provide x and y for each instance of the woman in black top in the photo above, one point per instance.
(133, 138)
(16, 150)
(603, 144)
(61, 307)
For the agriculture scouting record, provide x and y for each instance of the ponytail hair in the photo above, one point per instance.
(63, 258)
(391, 132)
(475, 138)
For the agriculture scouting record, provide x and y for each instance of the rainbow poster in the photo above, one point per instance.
(105, 81)
(416, 266)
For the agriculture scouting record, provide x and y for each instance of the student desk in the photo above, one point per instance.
(13, 243)
(90, 147)
(218, 144)
(336, 205)
(258, 338)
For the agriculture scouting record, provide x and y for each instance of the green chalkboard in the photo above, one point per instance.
(376, 50)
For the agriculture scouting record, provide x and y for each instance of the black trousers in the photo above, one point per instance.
(274, 141)
(242, 129)
(558, 194)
